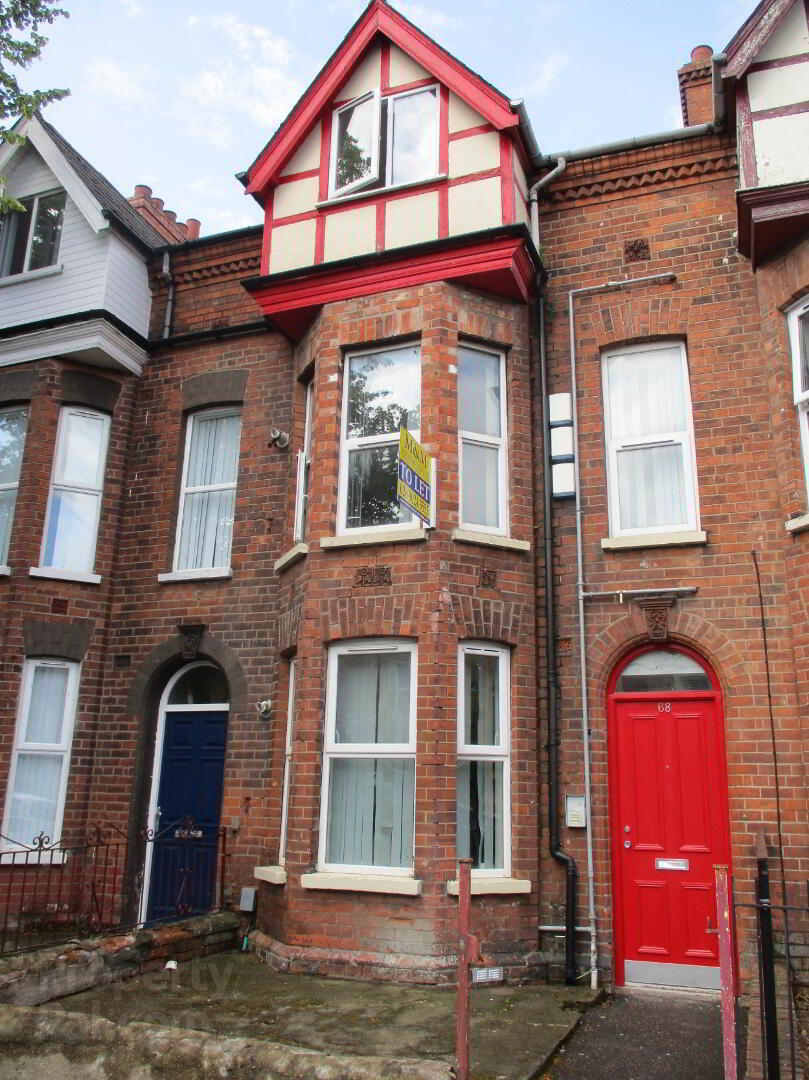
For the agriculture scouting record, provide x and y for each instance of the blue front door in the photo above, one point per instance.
(184, 856)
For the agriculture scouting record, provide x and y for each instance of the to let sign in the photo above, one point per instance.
(414, 482)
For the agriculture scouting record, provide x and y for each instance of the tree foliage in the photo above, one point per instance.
(20, 43)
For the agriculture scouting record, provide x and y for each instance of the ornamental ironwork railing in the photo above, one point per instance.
(90, 882)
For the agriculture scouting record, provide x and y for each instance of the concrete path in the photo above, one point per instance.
(231, 995)
(642, 1034)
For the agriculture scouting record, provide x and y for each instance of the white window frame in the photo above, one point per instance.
(500, 751)
(58, 484)
(366, 442)
(374, 177)
(5, 250)
(21, 410)
(288, 737)
(232, 410)
(490, 442)
(303, 473)
(333, 750)
(801, 396)
(684, 439)
(22, 746)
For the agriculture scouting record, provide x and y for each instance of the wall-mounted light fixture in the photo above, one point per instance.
(278, 438)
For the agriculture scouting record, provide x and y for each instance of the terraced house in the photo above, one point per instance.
(216, 608)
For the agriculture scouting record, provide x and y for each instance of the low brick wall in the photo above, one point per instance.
(36, 977)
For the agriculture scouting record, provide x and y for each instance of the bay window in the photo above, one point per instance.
(381, 394)
(77, 485)
(798, 322)
(13, 425)
(208, 495)
(484, 722)
(41, 756)
(381, 141)
(650, 440)
(282, 847)
(369, 767)
(30, 238)
(483, 439)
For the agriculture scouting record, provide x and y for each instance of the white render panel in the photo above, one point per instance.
(307, 156)
(296, 197)
(781, 149)
(475, 154)
(292, 246)
(461, 115)
(366, 76)
(351, 232)
(476, 205)
(29, 175)
(411, 221)
(403, 69)
(127, 292)
(778, 86)
(788, 39)
(78, 287)
(522, 214)
(519, 173)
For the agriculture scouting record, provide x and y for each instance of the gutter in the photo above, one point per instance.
(714, 127)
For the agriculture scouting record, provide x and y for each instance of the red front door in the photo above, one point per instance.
(669, 830)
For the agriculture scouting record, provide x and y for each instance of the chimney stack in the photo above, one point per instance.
(162, 221)
(696, 90)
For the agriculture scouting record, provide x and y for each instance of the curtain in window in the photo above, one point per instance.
(646, 394)
(213, 460)
(371, 812)
(373, 698)
(481, 489)
(651, 486)
(46, 708)
(480, 813)
(35, 798)
(481, 704)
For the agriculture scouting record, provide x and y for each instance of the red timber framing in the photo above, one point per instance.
(377, 19)
(499, 261)
(750, 39)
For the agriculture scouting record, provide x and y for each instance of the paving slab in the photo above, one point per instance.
(513, 1029)
(642, 1034)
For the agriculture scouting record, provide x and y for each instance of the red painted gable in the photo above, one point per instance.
(378, 18)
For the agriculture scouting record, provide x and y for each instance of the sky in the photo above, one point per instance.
(183, 94)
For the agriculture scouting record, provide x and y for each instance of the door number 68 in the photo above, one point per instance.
(664, 706)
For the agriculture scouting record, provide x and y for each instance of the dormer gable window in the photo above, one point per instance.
(30, 238)
(384, 141)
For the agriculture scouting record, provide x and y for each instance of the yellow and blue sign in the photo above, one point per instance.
(414, 481)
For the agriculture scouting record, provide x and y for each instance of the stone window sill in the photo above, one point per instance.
(31, 275)
(797, 524)
(209, 574)
(290, 557)
(364, 536)
(274, 875)
(471, 536)
(493, 886)
(5, 571)
(65, 575)
(372, 883)
(649, 540)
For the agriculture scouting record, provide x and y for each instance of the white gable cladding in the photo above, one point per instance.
(94, 270)
(781, 139)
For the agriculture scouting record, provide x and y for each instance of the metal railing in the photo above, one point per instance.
(90, 882)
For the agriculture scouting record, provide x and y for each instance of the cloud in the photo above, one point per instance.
(425, 17)
(112, 80)
(550, 68)
(133, 9)
(249, 76)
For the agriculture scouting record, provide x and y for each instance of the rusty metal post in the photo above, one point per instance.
(462, 1004)
(727, 975)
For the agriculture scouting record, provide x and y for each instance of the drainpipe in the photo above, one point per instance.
(554, 843)
(533, 197)
(608, 286)
(166, 275)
